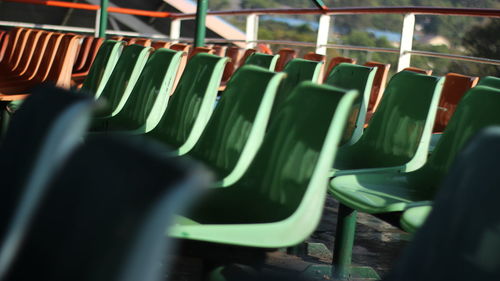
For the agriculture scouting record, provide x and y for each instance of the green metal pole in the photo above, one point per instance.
(344, 241)
(201, 14)
(103, 18)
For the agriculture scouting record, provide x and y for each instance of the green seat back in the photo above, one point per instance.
(192, 103)
(460, 240)
(263, 60)
(476, 110)
(239, 120)
(490, 81)
(354, 77)
(123, 79)
(297, 71)
(148, 100)
(401, 127)
(101, 68)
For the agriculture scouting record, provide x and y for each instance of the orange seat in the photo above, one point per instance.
(83, 53)
(198, 50)
(185, 49)
(455, 86)
(335, 61)
(234, 54)
(286, 55)
(117, 38)
(245, 56)
(419, 70)
(24, 56)
(80, 75)
(17, 50)
(315, 57)
(219, 50)
(13, 37)
(378, 86)
(160, 44)
(143, 42)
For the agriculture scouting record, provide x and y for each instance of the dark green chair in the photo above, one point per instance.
(399, 133)
(192, 103)
(460, 239)
(360, 78)
(490, 81)
(101, 68)
(149, 97)
(388, 192)
(237, 127)
(297, 71)
(414, 217)
(263, 60)
(47, 127)
(122, 80)
(279, 200)
(108, 222)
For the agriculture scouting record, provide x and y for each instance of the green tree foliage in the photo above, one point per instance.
(218, 5)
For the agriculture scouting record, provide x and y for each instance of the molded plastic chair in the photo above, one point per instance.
(262, 60)
(395, 191)
(399, 133)
(143, 42)
(236, 129)
(103, 65)
(83, 53)
(149, 97)
(378, 86)
(315, 57)
(413, 218)
(79, 76)
(297, 71)
(286, 55)
(11, 43)
(219, 50)
(419, 70)
(24, 56)
(192, 104)
(108, 223)
(122, 80)
(42, 133)
(17, 49)
(459, 240)
(235, 54)
(455, 86)
(117, 38)
(490, 81)
(286, 179)
(185, 50)
(160, 44)
(246, 54)
(336, 61)
(354, 77)
(198, 50)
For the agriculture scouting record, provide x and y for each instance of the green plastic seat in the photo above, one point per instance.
(122, 80)
(192, 103)
(490, 81)
(297, 71)
(460, 239)
(237, 127)
(360, 78)
(385, 192)
(413, 218)
(101, 68)
(263, 60)
(399, 132)
(149, 97)
(279, 200)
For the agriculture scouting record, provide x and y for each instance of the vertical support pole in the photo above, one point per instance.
(323, 31)
(97, 22)
(344, 241)
(406, 41)
(252, 31)
(103, 18)
(175, 30)
(201, 14)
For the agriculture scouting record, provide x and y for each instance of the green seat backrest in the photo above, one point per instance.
(123, 79)
(490, 81)
(400, 130)
(263, 60)
(237, 126)
(354, 77)
(477, 109)
(101, 68)
(297, 71)
(191, 104)
(148, 100)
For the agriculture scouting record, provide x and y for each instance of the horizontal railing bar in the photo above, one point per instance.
(453, 56)
(473, 12)
(361, 48)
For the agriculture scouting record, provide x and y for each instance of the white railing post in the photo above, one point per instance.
(175, 30)
(252, 31)
(406, 41)
(323, 31)
(97, 22)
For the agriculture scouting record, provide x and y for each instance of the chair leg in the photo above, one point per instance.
(344, 241)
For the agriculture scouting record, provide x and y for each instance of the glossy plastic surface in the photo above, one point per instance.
(378, 87)
(354, 77)
(419, 70)
(262, 60)
(198, 50)
(122, 80)
(413, 218)
(234, 54)
(286, 55)
(490, 81)
(286, 180)
(192, 103)
(336, 61)
(149, 98)
(101, 69)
